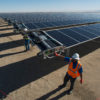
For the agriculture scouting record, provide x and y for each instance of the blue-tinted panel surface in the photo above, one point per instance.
(62, 38)
(64, 23)
(92, 30)
(48, 24)
(95, 27)
(85, 33)
(74, 35)
(57, 23)
(31, 26)
(40, 25)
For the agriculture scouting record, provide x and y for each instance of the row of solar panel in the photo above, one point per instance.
(51, 17)
(76, 35)
(44, 20)
(54, 24)
(31, 25)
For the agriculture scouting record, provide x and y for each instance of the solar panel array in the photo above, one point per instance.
(54, 24)
(68, 37)
(51, 24)
(73, 36)
(44, 20)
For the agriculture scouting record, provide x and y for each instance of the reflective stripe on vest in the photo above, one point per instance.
(73, 72)
(26, 38)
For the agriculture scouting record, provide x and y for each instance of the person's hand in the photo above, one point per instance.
(56, 54)
(81, 81)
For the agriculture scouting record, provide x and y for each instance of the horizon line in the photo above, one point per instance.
(50, 11)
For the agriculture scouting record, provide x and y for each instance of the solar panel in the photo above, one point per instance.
(31, 26)
(40, 25)
(96, 26)
(64, 23)
(84, 32)
(73, 36)
(66, 40)
(92, 30)
(57, 23)
(95, 30)
(48, 24)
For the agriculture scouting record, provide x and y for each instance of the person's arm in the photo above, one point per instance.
(81, 75)
(63, 57)
(57, 55)
(81, 78)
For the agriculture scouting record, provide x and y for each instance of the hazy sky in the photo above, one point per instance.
(48, 5)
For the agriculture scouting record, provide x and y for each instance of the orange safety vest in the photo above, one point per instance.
(74, 72)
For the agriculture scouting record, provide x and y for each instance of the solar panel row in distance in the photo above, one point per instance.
(52, 24)
(77, 35)
(31, 25)
(55, 19)
(45, 24)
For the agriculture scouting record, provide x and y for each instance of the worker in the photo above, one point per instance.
(27, 42)
(74, 70)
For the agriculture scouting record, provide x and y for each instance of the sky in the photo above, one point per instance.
(49, 5)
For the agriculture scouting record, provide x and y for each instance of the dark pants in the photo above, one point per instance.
(72, 80)
(27, 44)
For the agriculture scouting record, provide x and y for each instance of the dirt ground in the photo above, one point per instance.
(25, 76)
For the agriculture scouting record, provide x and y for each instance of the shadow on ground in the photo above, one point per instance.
(12, 44)
(8, 34)
(16, 75)
(4, 55)
(85, 94)
(6, 29)
(4, 25)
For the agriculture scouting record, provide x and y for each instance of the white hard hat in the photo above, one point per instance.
(76, 56)
(25, 29)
